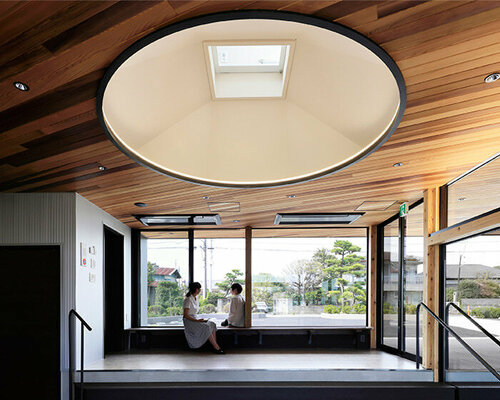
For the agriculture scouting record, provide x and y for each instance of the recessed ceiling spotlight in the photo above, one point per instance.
(492, 77)
(140, 204)
(236, 220)
(462, 198)
(21, 86)
(291, 196)
(398, 164)
(102, 168)
(206, 197)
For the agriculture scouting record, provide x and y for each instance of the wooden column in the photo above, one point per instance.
(248, 277)
(372, 286)
(431, 280)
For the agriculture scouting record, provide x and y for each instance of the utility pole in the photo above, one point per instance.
(204, 248)
(458, 276)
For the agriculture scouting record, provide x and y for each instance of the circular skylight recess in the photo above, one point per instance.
(251, 99)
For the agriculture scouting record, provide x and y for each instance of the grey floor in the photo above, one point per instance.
(252, 359)
(254, 366)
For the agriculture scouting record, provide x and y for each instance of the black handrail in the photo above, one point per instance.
(450, 330)
(83, 324)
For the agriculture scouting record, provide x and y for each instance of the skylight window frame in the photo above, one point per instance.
(289, 45)
(222, 69)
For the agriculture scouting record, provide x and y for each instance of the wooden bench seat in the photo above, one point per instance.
(360, 335)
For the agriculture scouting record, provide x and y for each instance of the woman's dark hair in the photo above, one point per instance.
(192, 288)
(237, 287)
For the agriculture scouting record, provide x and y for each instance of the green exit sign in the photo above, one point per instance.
(403, 209)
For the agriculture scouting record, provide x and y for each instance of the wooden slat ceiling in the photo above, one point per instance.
(50, 139)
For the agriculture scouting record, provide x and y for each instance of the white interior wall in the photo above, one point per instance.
(90, 221)
(66, 219)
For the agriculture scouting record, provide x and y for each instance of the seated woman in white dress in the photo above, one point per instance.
(197, 330)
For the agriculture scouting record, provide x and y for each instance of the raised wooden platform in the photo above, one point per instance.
(256, 365)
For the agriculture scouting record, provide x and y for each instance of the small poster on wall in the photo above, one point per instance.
(83, 254)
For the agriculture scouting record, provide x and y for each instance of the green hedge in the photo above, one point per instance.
(389, 308)
(355, 309)
(486, 312)
(174, 311)
(410, 308)
(159, 311)
(156, 311)
(208, 309)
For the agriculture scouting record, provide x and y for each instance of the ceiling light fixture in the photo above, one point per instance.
(236, 220)
(179, 219)
(492, 77)
(291, 196)
(206, 197)
(21, 86)
(139, 204)
(462, 198)
(398, 164)
(102, 168)
(316, 218)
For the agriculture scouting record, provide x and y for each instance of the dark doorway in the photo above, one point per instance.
(30, 315)
(113, 291)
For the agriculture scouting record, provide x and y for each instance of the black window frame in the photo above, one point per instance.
(443, 195)
(136, 263)
(400, 350)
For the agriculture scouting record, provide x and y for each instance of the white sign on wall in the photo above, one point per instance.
(83, 254)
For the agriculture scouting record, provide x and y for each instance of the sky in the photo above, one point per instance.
(273, 255)
(270, 255)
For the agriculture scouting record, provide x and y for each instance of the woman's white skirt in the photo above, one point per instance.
(197, 333)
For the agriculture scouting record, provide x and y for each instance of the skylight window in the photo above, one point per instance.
(253, 69)
(262, 58)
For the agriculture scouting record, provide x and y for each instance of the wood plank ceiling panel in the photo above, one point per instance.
(50, 139)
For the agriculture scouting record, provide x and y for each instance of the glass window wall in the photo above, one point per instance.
(219, 261)
(475, 194)
(473, 283)
(309, 277)
(164, 277)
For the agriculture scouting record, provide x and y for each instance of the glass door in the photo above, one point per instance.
(401, 257)
(413, 274)
(390, 283)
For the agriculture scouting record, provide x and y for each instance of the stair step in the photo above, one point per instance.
(475, 390)
(254, 375)
(275, 391)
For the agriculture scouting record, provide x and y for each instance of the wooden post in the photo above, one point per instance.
(431, 280)
(248, 277)
(372, 286)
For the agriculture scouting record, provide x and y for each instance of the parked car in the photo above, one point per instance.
(261, 306)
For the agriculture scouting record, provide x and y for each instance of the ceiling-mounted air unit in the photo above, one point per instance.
(179, 219)
(316, 218)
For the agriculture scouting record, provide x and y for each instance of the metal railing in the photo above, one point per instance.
(83, 324)
(456, 335)
(472, 320)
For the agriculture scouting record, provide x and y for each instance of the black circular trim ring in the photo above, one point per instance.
(255, 14)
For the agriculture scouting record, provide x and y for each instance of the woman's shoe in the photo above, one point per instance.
(220, 351)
